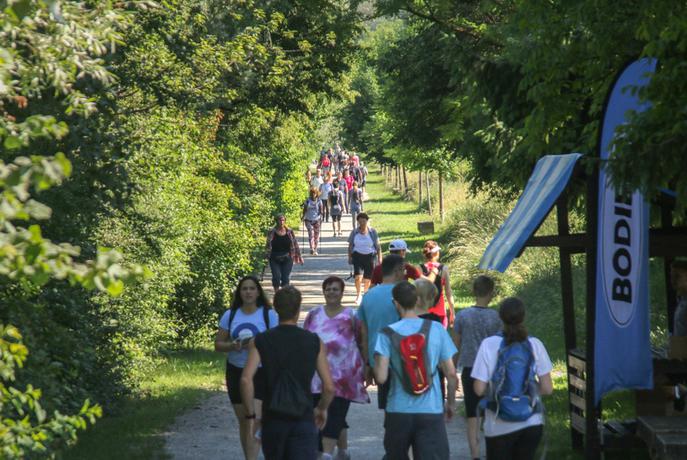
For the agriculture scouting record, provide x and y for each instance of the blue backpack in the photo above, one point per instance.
(513, 391)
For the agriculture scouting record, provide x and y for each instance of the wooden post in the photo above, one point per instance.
(441, 196)
(577, 440)
(419, 187)
(405, 182)
(592, 449)
(429, 194)
(671, 295)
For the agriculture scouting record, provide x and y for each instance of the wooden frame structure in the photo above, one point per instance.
(666, 242)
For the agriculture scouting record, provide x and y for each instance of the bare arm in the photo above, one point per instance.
(449, 371)
(449, 297)
(545, 384)
(381, 369)
(224, 343)
(456, 341)
(247, 389)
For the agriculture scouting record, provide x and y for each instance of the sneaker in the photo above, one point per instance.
(312, 252)
(315, 252)
(342, 455)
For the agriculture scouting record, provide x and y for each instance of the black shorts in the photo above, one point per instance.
(336, 417)
(233, 379)
(470, 397)
(363, 264)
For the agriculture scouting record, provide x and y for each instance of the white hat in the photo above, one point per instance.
(398, 245)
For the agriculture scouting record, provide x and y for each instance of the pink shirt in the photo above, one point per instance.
(349, 182)
(345, 361)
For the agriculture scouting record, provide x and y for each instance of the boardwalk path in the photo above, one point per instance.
(210, 430)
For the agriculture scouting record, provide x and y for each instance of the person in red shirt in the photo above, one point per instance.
(401, 248)
(438, 273)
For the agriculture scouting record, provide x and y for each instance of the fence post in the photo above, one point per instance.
(441, 196)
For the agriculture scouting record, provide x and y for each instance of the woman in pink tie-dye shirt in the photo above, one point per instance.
(339, 329)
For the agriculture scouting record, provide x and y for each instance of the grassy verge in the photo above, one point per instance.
(185, 378)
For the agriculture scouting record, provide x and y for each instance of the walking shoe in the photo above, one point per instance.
(315, 253)
(342, 455)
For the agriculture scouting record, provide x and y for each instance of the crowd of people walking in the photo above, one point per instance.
(291, 387)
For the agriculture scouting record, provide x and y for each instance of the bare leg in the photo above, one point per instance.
(342, 443)
(250, 446)
(328, 445)
(473, 437)
(358, 284)
(366, 283)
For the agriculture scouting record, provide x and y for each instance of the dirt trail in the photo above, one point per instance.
(210, 430)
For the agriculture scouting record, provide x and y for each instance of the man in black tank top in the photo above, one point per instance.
(302, 353)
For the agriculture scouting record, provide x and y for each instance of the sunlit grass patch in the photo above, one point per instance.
(134, 432)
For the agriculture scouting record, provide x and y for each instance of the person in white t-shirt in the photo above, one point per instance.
(511, 440)
(250, 314)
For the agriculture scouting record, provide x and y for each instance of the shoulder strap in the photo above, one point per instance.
(426, 327)
(266, 316)
(232, 313)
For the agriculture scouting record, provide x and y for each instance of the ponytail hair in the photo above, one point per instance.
(512, 313)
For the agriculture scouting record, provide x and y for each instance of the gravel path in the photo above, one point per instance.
(210, 430)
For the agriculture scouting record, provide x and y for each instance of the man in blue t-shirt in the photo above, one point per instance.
(416, 421)
(377, 311)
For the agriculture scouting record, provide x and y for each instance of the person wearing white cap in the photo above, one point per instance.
(439, 275)
(401, 248)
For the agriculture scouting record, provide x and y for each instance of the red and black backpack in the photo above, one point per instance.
(410, 358)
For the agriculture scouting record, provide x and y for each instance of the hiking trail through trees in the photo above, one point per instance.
(210, 430)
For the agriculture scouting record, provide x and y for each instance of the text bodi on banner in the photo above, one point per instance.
(622, 356)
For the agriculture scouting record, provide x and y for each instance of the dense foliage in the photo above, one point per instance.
(502, 83)
(186, 125)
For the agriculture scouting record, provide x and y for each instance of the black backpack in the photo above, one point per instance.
(437, 280)
(334, 197)
(289, 399)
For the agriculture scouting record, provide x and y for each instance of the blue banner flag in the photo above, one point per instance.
(622, 355)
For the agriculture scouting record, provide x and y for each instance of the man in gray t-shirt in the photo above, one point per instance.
(473, 325)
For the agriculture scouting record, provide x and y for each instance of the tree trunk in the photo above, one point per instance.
(398, 176)
(405, 182)
(419, 187)
(441, 196)
(429, 194)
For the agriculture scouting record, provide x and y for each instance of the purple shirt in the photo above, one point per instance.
(345, 361)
